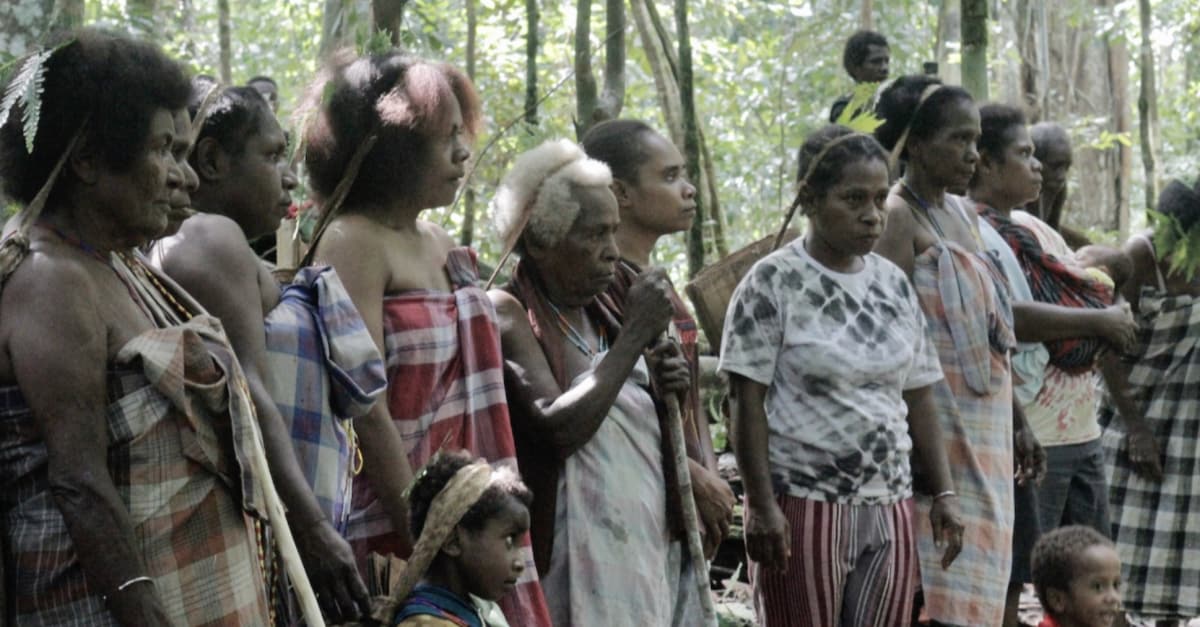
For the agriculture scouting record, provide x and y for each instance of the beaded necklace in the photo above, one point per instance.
(135, 264)
(575, 337)
(91, 251)
(926, 209)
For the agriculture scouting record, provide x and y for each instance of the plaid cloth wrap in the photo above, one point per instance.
(445, 390)
(174, 456)
(323, 370)
(1156, 525)
(1054, 282)
(969, 320)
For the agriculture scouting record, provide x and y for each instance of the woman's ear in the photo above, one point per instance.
(210, 160)
(84, 160)
(622, 191)
(807, 198)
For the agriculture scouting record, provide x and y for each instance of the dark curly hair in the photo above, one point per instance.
(233, 116)
(402, 96)
(857, 47)
(114, 82)
(618, 144)
(828, 171)
(505, 485)
(898, 108)
(1181, 202)
(996, 123)
(1056, 556)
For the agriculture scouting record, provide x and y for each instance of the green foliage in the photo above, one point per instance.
(1107, 140)
(766, 72)
(1172, 242)
(858, 114)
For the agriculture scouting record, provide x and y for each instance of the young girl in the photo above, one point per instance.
(1077, 574)
(470, 520)
(832, 376)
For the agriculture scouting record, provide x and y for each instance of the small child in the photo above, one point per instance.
(1077, 575)
(1113, 262)
(474, 516)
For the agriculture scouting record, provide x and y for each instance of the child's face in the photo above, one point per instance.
(1093, 598)
(492, 559)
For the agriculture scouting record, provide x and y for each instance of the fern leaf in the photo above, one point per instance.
(27, 80)
(31, 113)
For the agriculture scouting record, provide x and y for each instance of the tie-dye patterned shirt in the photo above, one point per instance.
(836, 352)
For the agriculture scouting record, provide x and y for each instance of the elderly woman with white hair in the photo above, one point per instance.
(589, 436)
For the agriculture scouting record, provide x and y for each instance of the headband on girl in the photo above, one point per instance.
(812, 167)
(447, 509)
(900, 143)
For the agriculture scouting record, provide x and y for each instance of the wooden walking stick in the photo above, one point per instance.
(691, 522)
(276, 516)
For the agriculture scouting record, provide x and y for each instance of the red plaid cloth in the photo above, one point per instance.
(445, 389)
(1054, 282)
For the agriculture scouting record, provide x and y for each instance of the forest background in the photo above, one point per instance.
(737, 83)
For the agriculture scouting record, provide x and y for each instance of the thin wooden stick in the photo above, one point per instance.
(276, 516)
(691, 521)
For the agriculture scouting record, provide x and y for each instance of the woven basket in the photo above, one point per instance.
(713, 286)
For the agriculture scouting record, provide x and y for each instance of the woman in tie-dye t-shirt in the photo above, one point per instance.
(831, 374)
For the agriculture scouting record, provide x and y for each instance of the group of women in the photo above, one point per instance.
(890, 327)
(143, 377)
(186, 441)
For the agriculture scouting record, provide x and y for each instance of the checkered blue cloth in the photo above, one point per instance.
(323, 371)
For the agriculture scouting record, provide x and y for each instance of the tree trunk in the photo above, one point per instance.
(665, 85)
(948, 36)
(1032, 80)
(708, 183)
(866, 15)
(468, 225)
(1083, 86)
(531, 53)
(691, 135)
(223, 29)
(387, 16)
(1147, 104)
(331, 21)
(1118, 67)
(585, 80)
(612, 100)
(187, 24)
(590, 106)
(974, 48)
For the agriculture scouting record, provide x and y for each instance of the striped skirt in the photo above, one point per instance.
(851, 566)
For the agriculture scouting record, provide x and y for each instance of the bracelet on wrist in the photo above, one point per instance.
(943, 494)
